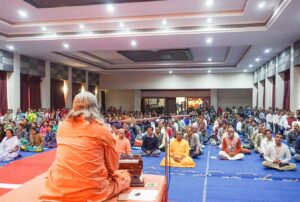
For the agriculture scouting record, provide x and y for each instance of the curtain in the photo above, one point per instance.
(24, 92)
(286, 96)
(76, 88)
(57, 94)
(273, 93)
(3, 93)
(92, 89)
(35, 92)
(30, 92)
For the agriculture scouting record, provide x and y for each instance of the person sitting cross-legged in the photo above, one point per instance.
(35, 141)
(265, 143)
(9, 147)
(193, 141)
(231, 146)
(291, 138)
(122, 143)
(278, 156)
(50, 137)
(297, 150)
(178, 153)
(150, 144)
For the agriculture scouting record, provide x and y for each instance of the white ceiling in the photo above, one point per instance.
(240, 31)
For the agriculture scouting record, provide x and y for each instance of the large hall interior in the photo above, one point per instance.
(150, 100)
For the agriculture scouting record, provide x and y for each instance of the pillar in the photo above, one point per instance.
(68, 93)
(279, 88)
(268, 92)
(45, 87)
(254, 95)
(261, 87)
(137, 100)
(13, 85)
(214, 98)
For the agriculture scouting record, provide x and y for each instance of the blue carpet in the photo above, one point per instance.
(227, 189)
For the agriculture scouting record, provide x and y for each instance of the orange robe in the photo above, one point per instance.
(123, 146)
(86, 163)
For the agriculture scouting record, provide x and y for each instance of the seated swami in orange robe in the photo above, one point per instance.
(86, 163)
(123, 144)
(179, 153)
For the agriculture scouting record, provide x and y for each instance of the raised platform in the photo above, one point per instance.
(29, 192)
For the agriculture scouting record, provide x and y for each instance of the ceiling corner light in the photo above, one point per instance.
(209, 20)
(262, 4)
(257, 59)
(245, 70)
(209, 59)
(121, 24)
(81, 26)
(267, 50)
(110, 8)
(10, 47)
(170, 72)
(44, 28)
(22, 13)
(209, 71)
(209, 3)
(133, 43)
(164, 22)
(209, 40)
(66, 46)
(251, 65)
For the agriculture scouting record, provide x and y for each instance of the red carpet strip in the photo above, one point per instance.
(22, 170)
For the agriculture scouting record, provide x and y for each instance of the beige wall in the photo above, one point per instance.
(123, 98)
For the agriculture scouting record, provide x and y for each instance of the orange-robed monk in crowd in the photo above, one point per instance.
(86, 163)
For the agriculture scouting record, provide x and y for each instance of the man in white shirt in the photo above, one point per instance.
(239, 125)
(9, 147)
(269, 120)
(266, 142)
(278, 156)
(276, 118)
(283, 123)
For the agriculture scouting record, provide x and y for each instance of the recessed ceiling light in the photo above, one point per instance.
(110, 8)
(209, 3)
(257, 59)
(267, 50)
(209, 40)
(66, 46)
(209, 59)
(81, 26)
(250, 65)
(22, 13)
(133, 43)
(245, 70)
(170, 72)
(10, 47)
(164, 22)
(262, 4)
(209, 20)
(44, 28)
(209, 71)
(121, 24)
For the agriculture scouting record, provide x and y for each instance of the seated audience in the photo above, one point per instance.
(50, 137)
(150, 144)
(193, 141)
(35, 141)
(123, 147)
(21, 133)
(179, 153)
(278, 155)
(2, 133)
(9, 147)
(258, 138)
(161, 139)
(292, 136)
(231, 146)
(266, 142)
(297, 149)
